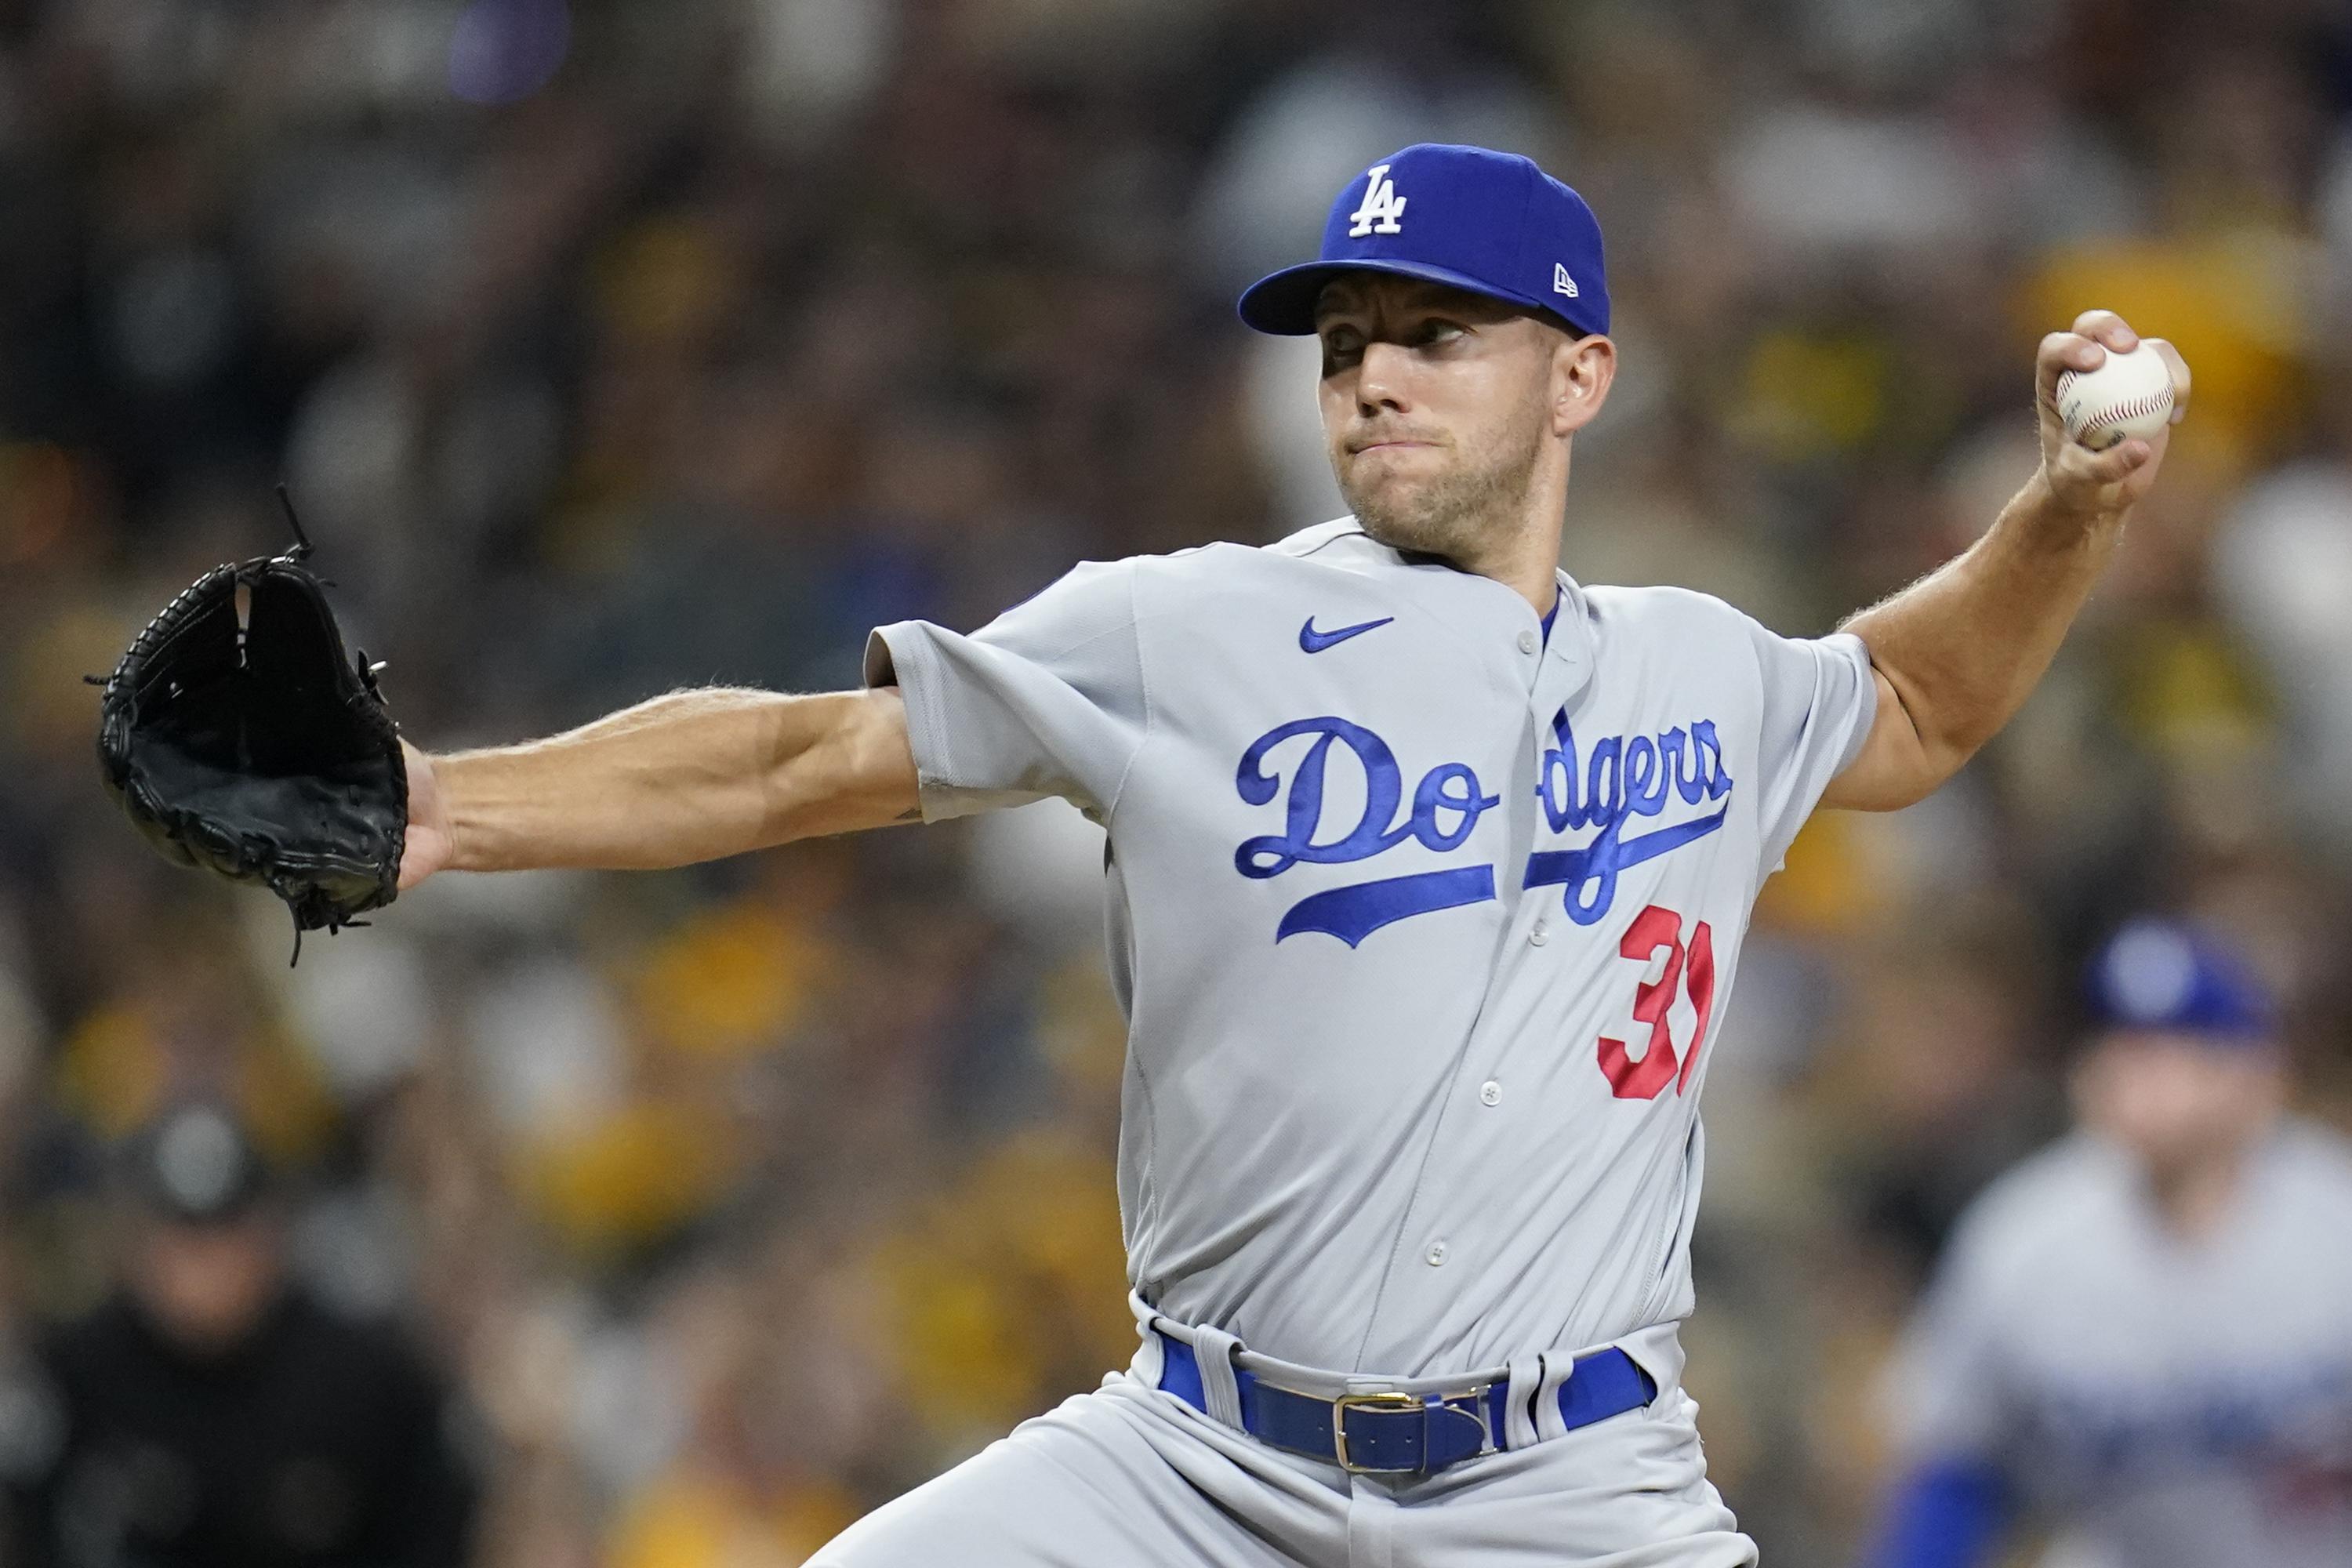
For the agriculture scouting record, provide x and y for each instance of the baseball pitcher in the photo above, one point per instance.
(1429, 870)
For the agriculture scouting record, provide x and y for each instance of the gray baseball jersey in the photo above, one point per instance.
(2173, 1403)
(1424, 922)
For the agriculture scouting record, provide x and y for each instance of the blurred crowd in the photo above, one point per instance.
(608, 348)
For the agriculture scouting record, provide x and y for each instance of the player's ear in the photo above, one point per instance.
(1582, 370)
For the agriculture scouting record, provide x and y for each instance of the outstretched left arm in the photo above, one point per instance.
(1957, 652)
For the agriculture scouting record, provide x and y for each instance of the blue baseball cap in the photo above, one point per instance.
(1488, 222)
(2156, 974)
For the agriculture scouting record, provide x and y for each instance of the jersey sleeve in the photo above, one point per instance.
(1820, 701)
(1047, 699)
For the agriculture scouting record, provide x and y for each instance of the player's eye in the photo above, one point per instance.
(1437, 331)
(1342, 348)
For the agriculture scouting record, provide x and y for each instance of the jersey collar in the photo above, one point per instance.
(1569, 650)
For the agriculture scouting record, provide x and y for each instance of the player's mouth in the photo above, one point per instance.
(1399, 445)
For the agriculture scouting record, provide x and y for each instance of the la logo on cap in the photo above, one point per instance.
(1382, 206)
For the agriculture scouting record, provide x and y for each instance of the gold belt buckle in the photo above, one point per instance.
(1390, 1401)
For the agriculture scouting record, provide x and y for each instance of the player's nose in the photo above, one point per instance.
(1382, 377)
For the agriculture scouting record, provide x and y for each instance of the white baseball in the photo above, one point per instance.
(2130, 395)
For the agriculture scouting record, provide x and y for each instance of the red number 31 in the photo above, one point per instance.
(1656, 931)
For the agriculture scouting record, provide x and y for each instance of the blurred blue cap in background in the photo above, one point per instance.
(2158, 975)
(196, 1163)
(1489, 221)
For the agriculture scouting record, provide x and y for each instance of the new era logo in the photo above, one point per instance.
(1561, 283)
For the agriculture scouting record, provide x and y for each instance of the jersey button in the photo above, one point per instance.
(1435, 1255)
(1490, 1093)
(1540, 933)
(1527, 642)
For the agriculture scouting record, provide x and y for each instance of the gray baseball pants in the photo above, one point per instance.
(1128, 1477)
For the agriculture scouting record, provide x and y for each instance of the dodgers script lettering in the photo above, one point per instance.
(1622, 778)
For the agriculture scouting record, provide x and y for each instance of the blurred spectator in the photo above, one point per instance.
(211, 1414)
(2140, 1335)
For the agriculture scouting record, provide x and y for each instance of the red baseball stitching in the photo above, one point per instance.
(2147, 404)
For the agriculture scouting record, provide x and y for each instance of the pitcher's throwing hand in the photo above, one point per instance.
(2090, 477)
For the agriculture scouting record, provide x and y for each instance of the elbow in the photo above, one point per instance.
(1939, 759)
(1944, 749)
(1902, 763)
(838, 763)
(1883, 789)
(1915, 747)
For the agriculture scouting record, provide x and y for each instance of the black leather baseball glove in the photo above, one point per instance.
(250, 745)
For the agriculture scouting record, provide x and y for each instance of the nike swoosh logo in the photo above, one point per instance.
(1312, 641)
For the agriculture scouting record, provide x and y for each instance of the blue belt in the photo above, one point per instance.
(1405, 1434)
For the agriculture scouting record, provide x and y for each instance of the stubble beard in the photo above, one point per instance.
(1459, 514)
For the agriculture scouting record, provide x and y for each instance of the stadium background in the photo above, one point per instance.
(616, 347)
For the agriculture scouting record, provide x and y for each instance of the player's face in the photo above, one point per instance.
(205, 1285)
(2178, 1102)
(1435, 407)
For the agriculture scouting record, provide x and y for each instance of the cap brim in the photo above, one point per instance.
(1283, 303)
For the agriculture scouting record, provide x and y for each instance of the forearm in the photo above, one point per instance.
(1963, 647)
(695, 775)
(1955, 654)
